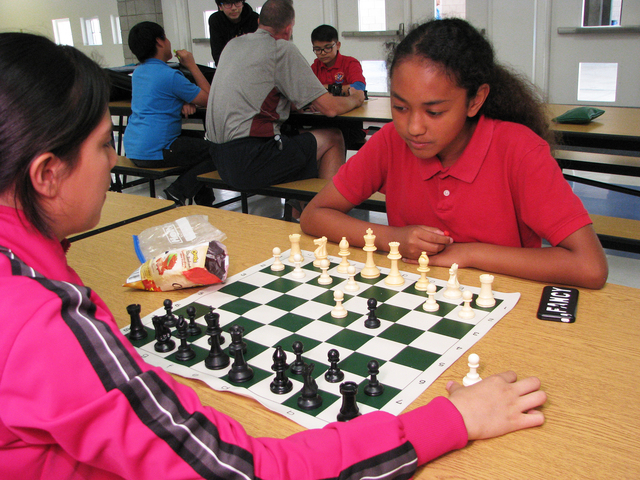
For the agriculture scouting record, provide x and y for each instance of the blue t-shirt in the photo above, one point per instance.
(159, 92)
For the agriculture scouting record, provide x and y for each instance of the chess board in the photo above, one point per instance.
(412, 347)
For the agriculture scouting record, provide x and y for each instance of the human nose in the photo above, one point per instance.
(416, 124)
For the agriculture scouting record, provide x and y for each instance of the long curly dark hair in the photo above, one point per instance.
(468, 58)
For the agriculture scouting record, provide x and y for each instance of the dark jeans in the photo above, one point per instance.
(188, 152)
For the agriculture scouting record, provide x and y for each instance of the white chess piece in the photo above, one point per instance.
(338, 311)
(431, 305)
(325, 278)
(321, 251)
(298, 272)
(295, 247)
(467, 313)
(370, 270)
(453, 286)
(423, 268)
(352, 285)
(277, 265)
(344, 254)
(486, 298)
(472, 377)
(394, 278)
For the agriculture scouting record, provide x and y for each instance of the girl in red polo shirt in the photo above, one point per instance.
(466, 170)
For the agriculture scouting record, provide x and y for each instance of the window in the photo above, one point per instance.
(207, 14)
(597, 82)
(597, 13)
(116, 32)
(450, 8)
(372, 15)
(62, 31)
(91, 31)
(375, 73)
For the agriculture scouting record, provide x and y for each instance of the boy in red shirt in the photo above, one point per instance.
(331, 67)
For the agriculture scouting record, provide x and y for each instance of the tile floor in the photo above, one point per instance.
(624, 268)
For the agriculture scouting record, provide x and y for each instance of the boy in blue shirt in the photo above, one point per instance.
(160, 94)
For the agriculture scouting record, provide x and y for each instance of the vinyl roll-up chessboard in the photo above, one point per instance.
(412, 347)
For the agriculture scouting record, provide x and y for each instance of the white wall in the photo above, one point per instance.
(34, 16)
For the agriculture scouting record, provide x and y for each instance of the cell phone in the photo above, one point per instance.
(558, 304)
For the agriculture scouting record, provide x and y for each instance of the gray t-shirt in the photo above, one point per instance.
(255, 84)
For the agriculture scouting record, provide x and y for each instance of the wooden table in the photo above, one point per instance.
(616, 129)
(122, 208)
(588, 369)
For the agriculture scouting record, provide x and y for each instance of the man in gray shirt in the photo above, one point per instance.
(260, 77)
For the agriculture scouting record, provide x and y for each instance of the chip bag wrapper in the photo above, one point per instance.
(198, 265)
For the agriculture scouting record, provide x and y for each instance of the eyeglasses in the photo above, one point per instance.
(326, 49)
(237, 4)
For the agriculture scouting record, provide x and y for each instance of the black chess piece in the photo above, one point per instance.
(374, 388)
(280, 384)
(236, 332)
(372, 320)
(213, 321)
(170, 320)
(194, 329)
(349, 409)
(297, 366)
(185, 352)
(334, 374)
(163, 336)
(216, 359)
(137, 331)
(309, 398)
(240, 371)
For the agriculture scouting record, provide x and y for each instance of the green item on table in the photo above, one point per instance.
(579, 115)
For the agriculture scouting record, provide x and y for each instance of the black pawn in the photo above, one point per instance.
(137, 332)
(240, 371)
(309, 398)
(334, 374)
(170, 320)
(374, 388)
(194, 329)
(185, 352)
(297, 367)
(213, 321)
(280, 384)
(349, 409)
(236, 332)
(216, 359)
(163, 336)
(372, 321)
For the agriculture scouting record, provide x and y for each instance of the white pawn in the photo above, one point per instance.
(352, 285)
(423, 268)
(472, 377)
(431, 305)
(325, 278)
(467, 313)
(338, 311)
(298, 272)
(277, 265)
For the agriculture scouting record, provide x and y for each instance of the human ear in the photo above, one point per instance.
(478, 100)
(46, 173)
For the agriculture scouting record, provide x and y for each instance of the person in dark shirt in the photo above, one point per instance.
(232, 19)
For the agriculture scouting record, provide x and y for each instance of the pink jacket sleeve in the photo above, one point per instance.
(77, 400)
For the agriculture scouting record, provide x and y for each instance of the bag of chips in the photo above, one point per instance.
(194, 266)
